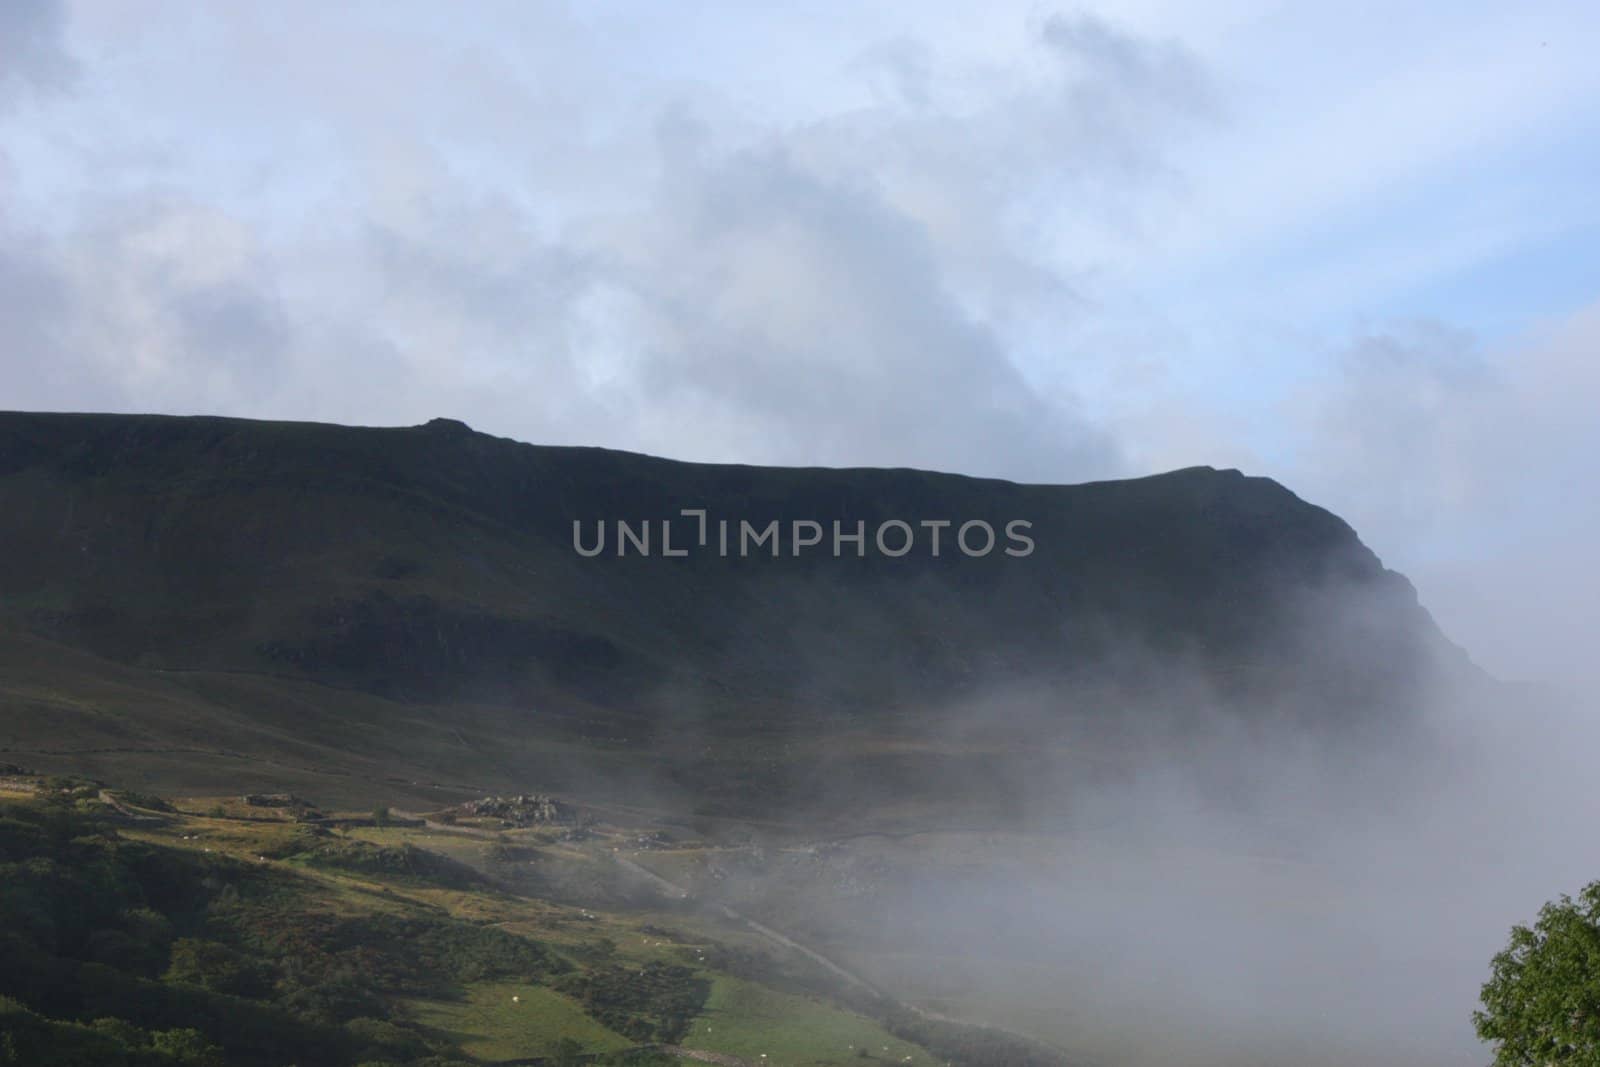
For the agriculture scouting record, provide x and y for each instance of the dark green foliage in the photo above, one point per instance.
(331, 997)
(380, 1039)
(653, 1003)
(187, 1047)
(138, 944)
(333, 962)
(218, 967)
(28, 1039)
(1541, 1005)
(117, 952)
(20, 838)
(73, 894)
(250, 1031)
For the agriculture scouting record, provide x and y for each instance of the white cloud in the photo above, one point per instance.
(1003, 241)
(841, 290)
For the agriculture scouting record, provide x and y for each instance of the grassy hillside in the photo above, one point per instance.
(139, 931)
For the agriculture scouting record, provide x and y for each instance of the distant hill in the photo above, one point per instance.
(217, 598)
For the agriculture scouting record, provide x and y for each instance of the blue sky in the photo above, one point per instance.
(1351, 247)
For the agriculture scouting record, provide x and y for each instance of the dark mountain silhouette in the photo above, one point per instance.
(410, 602)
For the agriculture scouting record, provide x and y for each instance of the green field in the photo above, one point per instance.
(781, 1029)
(489, 1025)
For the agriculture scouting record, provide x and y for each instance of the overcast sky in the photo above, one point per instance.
(1356, 248)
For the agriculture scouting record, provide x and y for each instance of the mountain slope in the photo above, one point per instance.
(285, 582)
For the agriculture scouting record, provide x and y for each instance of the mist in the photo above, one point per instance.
(1338, 915)
(1193, 882)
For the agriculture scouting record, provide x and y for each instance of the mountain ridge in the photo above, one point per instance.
(434, 567)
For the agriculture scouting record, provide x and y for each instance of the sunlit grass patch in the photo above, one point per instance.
(748, 1021)
(488, 1024)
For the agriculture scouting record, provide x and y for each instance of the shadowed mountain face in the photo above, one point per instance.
(430, 573)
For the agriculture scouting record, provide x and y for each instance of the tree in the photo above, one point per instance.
(217, 967)
(1541, 1005)
(188, 1047)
